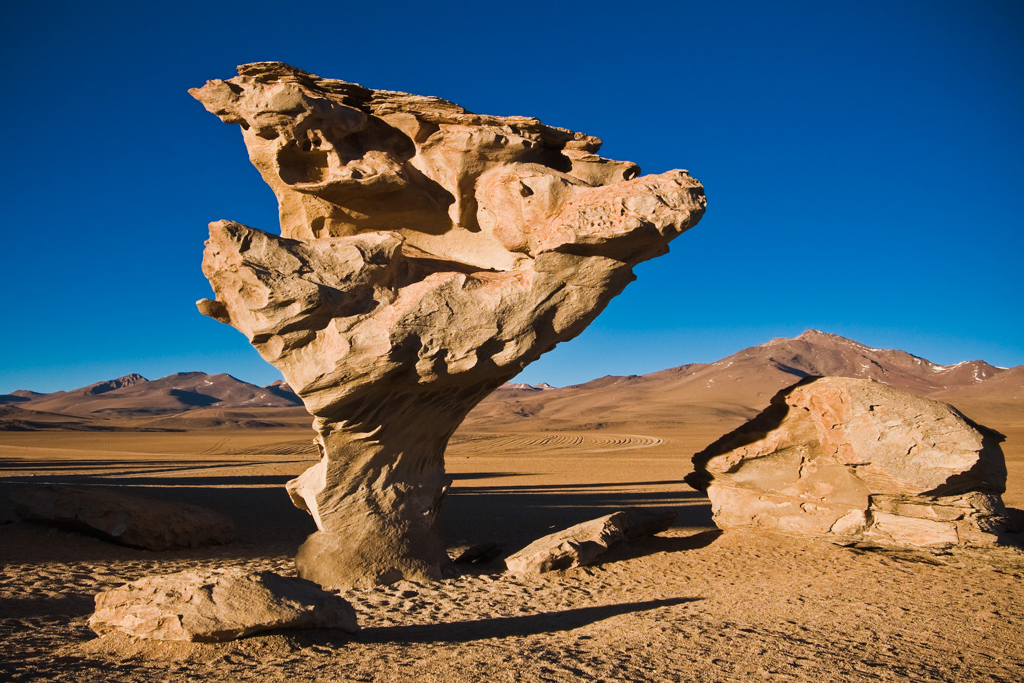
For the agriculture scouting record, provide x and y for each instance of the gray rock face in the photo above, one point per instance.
(855, 460)
(218, 605)
(427, 254)
(123, 518)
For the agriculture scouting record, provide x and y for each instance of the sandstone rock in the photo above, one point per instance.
(855, 460)
(218, 605)
(124, 518)
(426, 255)
(576, 546)
(388, 555)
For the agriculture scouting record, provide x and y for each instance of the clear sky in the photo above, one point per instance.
(863, 162)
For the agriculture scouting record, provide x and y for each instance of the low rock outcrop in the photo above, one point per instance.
(123, 518)
(576, 546)
(583, 543)
(218, 605)
(857, 461)
(426, 255)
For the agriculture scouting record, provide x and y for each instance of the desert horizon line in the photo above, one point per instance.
(281, 381)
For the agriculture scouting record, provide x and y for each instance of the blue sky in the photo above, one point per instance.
(863, 163)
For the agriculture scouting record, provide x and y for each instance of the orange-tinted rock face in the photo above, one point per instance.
(427, 254)
(855, 460)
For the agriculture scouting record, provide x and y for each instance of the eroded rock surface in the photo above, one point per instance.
(574, 547)
(426, 255)
(584, 543)
(856, 460)
(123, 518)
(218, 605)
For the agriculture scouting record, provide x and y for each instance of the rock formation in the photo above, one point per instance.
(426, 255)
(857, 461)
(123, 518)
(584, 543)
(218, 605)
(578, 545)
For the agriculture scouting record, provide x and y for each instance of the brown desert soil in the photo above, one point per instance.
(690, 604)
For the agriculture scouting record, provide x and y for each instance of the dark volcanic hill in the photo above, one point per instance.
(737, 387)
(134, 395)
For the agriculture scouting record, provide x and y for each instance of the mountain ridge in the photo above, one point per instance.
(134, 395)
(738, 386)
(734, 388)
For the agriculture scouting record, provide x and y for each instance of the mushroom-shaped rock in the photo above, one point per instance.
(857, 461)
(426, 255)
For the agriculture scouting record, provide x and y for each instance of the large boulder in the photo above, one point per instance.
(217, 605)
(123, 518)
(426, 255)
(857, 461)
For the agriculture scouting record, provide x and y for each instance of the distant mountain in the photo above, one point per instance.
(112, 385)
(522, 386)
(739, 386)
(724, 394)
(134, 395)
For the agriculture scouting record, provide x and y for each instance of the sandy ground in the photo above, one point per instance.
(692, 604)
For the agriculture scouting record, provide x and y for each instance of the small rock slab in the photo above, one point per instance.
(217, 605)
(576, 546)
(123, 518)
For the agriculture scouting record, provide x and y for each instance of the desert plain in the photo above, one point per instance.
(693, 603)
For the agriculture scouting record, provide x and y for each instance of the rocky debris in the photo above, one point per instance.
(857, 461)
(427, 254)
(218, 605)
(123, 518)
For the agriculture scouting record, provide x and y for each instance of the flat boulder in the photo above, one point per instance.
(123, 518)
(576, 546)
(217, 605)
(857, 461)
